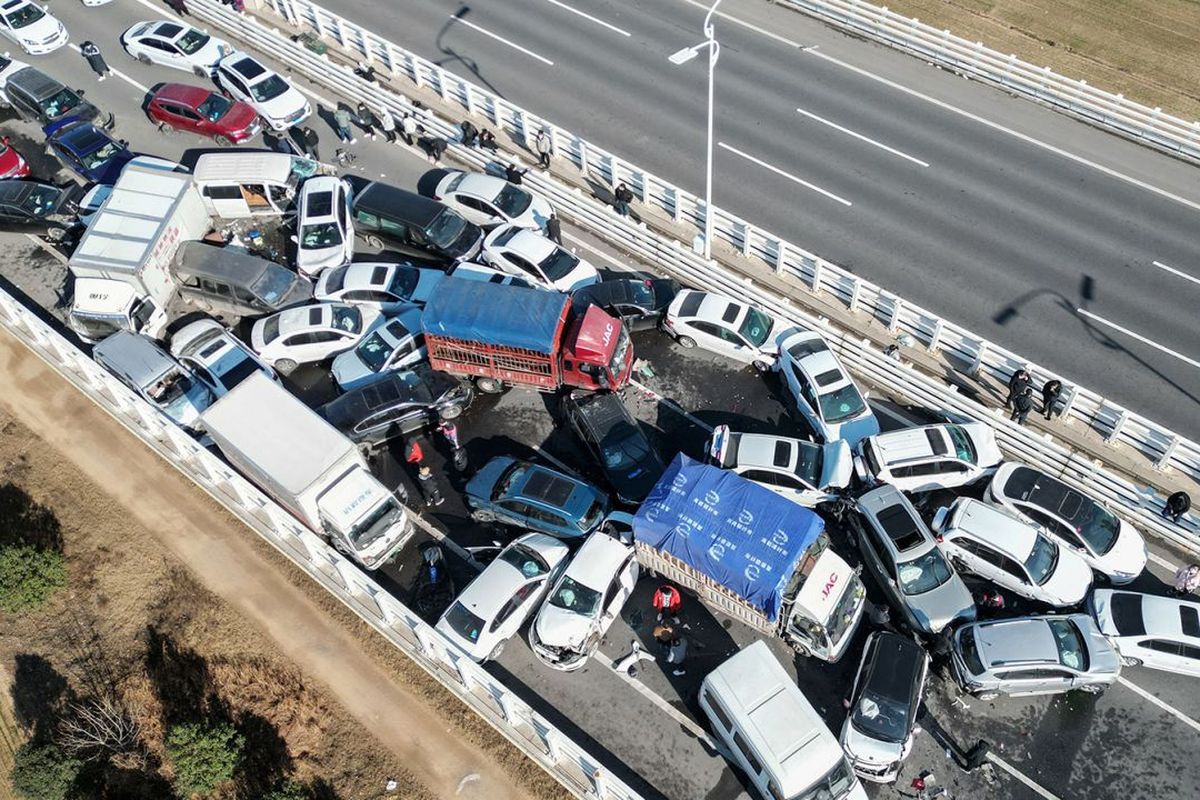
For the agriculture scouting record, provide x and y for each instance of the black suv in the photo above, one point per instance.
(397, 404)
(40, 208)
(39, 98)
(630, 463)
(638, 302)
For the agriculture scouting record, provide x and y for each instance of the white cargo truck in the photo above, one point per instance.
(309, 468)
(121, 265)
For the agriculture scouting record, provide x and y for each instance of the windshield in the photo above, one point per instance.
(445, 228)
(558, 264)
(881, 717)
(238, 372)
(756, 327)
(841, 404)
(323, 234)
(215, 107)
(1096, 524)
(576, 598)
(1072, 651)
(464, 623)
(374, 351)
(25, 15)
(963, 447)
(41, 200)
(524, 560)
(404, 282)
(273, 285)
(191, 41)
(624, 448)
(512, 201)
(924, 573)
(346, 318)
(845, 612)
(60, 103)
(376, 524)
(268, 89)
(172, 392)
(616, 365)
(102, 156)
(1042, 560)
(836, 784)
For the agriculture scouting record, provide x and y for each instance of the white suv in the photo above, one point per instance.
(803, 472)
(324, 232)
(247, 79)
(943, 456)
(822, 390)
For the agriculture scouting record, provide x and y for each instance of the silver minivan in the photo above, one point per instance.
(228, 282)
(139, 363)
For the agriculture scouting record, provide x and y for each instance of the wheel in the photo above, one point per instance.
(1129, 661)
(496, 651)
(373, 241)
(285, 366)
(686, 342)
(165, 128)
(200, 72)
(222, 141)
(56, 235)
(450, 412)
(483, 516)
(1093, 688)
(761, 366)
(142, 57)
(985, 696)
(489, 385)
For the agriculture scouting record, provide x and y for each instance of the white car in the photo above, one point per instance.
(584, 602)
(731, 328)
(803, 472)
(176, 45)
(942, 456)
(32, 27)
(534, 257)
(488, 200)
(390, 343)
(990, 542)
(1109, 544)
(480, 272)
(388, 287)
(1156, 632)
(822, 392)
(309, 334)
(245, 78)
(216, 357)
(497, 603)
(324, 233)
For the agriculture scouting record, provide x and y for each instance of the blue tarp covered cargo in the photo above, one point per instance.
(506, 316)
(742, 536)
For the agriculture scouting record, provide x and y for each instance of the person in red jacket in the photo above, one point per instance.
(667, 602)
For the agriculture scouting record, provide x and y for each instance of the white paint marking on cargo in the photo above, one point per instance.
(119, 74)
(1174, 271)
(1021, 776)
(744, 24)
(501, 39)
(566, 7)
(1112, 173)
(781, 173)
(1184, 718)
(1137, 336)
(860, 137)
(671, 404)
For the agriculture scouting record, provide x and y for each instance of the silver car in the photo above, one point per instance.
(1033, 655)
(900, 551)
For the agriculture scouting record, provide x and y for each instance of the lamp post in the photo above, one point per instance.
(682, 57)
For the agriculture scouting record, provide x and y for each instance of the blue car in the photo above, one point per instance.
(515, 492)
(88, 151)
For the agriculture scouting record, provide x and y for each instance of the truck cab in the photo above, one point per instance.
(359, 511)
(596, 354)
(102, 307)
(826, 598)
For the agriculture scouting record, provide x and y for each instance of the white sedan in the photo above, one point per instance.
(584, 602)
(218, 359)
(488, 200)
(32, 27)
(496, 604)
(391, 343)
(173, 44)
(805, 473)
(822, 391)
(534, 257)
(245, 78)
(726, 326)
(324, 233)
(388, 287)
(309, 334)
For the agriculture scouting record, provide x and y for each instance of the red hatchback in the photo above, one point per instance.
(12, 164)
(177, 106)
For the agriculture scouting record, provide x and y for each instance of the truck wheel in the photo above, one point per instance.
(285, 366)
(450, 412)
(489, 385)
(686, 342)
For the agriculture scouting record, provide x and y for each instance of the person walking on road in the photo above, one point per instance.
(387, 124)
(470, 134)
(554, 230)
(514, 175)
(1022, 405)
(541, 145)
(1187, 580)
(341, 119)
(95, 60)
(367, 120)
(1019, 380)
(408, 128)
(667, 602)
(179, 7)
(622, 197)
(1051, 391)
(428, 486)
(413, 454)
(1177, 505)
(311, 141)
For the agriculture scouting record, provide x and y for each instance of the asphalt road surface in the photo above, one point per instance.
(1032, 230)
(1139, 740)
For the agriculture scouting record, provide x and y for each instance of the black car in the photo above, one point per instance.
(639, 303)
(39, 98)
(630, 463)
(385, 216)
(396, 404)
(40, 208)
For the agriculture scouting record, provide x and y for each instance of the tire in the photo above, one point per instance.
(1129, 661)
(686, 342)
(373, 241)
(145, 59)
(761, 366)
(489, 385)
(285, 366)
(165, 128)
(450, 412)
(222, 141)
(496, 651)
(485, 517)
(55, 235)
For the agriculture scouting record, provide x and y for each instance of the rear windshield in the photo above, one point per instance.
(464, 623)
(559, 264)
(512, 201)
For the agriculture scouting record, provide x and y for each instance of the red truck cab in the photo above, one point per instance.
(596, 353)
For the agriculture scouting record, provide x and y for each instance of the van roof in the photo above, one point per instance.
(387, 199)
(776, 718)
(135, 357)
(202, 259)
(242, 166)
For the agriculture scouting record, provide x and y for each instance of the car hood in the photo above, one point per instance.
(348, 368)
(867, 749)
(584, 274)
(240, 117)
(283, 106)
(837, 466)
(939, 607)
(39, 31)
(1070, 581)
(855, 430)
(558, 627)
(211, 53)
(310, 260)
(1127, 557)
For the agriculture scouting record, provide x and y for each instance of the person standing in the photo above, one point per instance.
(1177, 505)
(179, 7)
(554, 230)
(341, 119)
(1019, 380)
(470, 134)
(667, 602)
(1187, 580)
(542, 146)
(367, 120)
(514, 175)
(413, 454)
(622, 197)
(95, 60)
(1051, 391)
(311, 141)
(387, 124)
(408, 127)
(428, 486)
(1022, 405)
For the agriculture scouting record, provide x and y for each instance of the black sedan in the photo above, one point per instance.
(638, 302)
(396, 404)
(629, 461)
(39, 208)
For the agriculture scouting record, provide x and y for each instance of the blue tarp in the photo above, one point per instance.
(746, 538)
(479, 311)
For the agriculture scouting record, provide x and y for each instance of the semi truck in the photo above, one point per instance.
(502, 336)
(750, 554)
(309, 468)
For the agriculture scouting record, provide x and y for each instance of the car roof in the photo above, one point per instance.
(388, 200)
(15, 191)
(82, 137)
(1028, 485)
(248, 67)
(485, 186)
(822, 369)
(306, 318)
(767, 451)
(598, 560)
(35, 82)
(367, 275)
(531, 245)
(1158, 616)
(318, 197)
(895, 668)
(183, 93)
(1016, 641)
(546, 486)
(996, 527)
(168, 29)
(912, 444)
(721, 309)
(398, 328)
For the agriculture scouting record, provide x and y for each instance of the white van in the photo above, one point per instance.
(773, 733)
(240, 184)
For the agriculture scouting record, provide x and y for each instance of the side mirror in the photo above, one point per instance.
(294, 239)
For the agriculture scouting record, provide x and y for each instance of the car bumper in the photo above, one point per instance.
(560, 659)
(875, 773)
(46, 47)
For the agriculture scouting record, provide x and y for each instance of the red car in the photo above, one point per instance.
(12, 165)
(177, 106)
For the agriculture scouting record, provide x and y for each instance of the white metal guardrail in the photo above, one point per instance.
(1118, 425)
(577, 770)
(1111, 111)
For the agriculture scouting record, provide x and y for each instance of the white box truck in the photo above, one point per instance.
(309, 468)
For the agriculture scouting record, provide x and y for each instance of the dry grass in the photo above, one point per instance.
(1144, 49)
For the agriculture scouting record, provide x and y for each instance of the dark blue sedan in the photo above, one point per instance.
(88, 151)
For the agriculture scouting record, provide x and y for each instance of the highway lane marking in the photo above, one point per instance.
(748, 25)
(1112, 173)
(860, 137)
(1174, 271)
(780, 172)
(618, 264)
(566, 7)
(1022, 777)
(501, 39)
(1137, 336)
(671, 404)
(118, 73)
(1184, 718)
(1162, 562)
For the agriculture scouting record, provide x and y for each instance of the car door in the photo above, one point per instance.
(473, 209)
(302, 347)
(707, 335)
(518, 265)
(618, 591)
(185, 118)
(161, 51)
(514, 512)
(25, 105)
(803, 394)
(235, 86)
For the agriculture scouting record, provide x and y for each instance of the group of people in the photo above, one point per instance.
(427, 482)
(372, 123)
(1020, 396)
